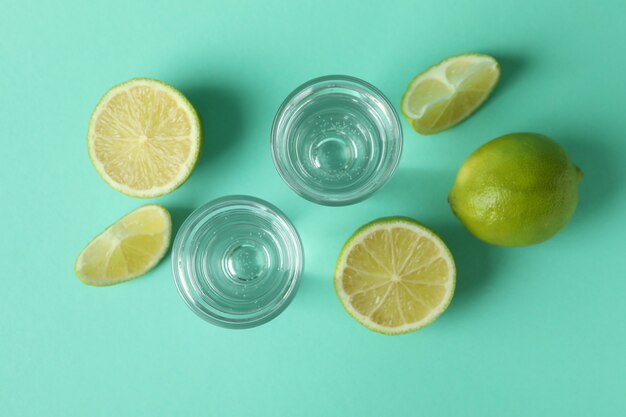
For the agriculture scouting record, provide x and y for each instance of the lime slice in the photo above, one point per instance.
(447, 93)
(131, 247)
(395, 276)
(144, 138)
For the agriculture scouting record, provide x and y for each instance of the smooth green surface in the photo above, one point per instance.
(535, 331)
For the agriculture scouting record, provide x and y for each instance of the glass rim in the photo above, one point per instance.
(185, 233)
(293, 183)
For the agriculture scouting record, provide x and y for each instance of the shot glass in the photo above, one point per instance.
(237, 261)
(336, 140)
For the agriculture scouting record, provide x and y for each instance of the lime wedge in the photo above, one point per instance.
(449, 92)
(144, 138)
(129, 248)
(395, 276)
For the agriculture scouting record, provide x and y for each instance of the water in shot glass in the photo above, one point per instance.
(336, 140)
(237, 261)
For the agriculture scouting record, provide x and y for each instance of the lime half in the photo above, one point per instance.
(447, 93)
(395, 276)
(129, 248)
(144, 138)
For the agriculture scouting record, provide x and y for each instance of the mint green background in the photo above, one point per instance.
(536, 331)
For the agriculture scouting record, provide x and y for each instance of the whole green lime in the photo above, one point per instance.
(516, 190)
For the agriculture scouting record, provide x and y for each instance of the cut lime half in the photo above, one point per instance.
(144, 138)
(395, 276)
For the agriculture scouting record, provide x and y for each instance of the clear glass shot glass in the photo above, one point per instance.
(237, 261)
(336, 140)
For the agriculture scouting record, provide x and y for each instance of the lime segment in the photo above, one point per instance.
(449, 92)
(129, 248)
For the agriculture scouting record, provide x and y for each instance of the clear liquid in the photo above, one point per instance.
(334, 141)
(237, 261)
